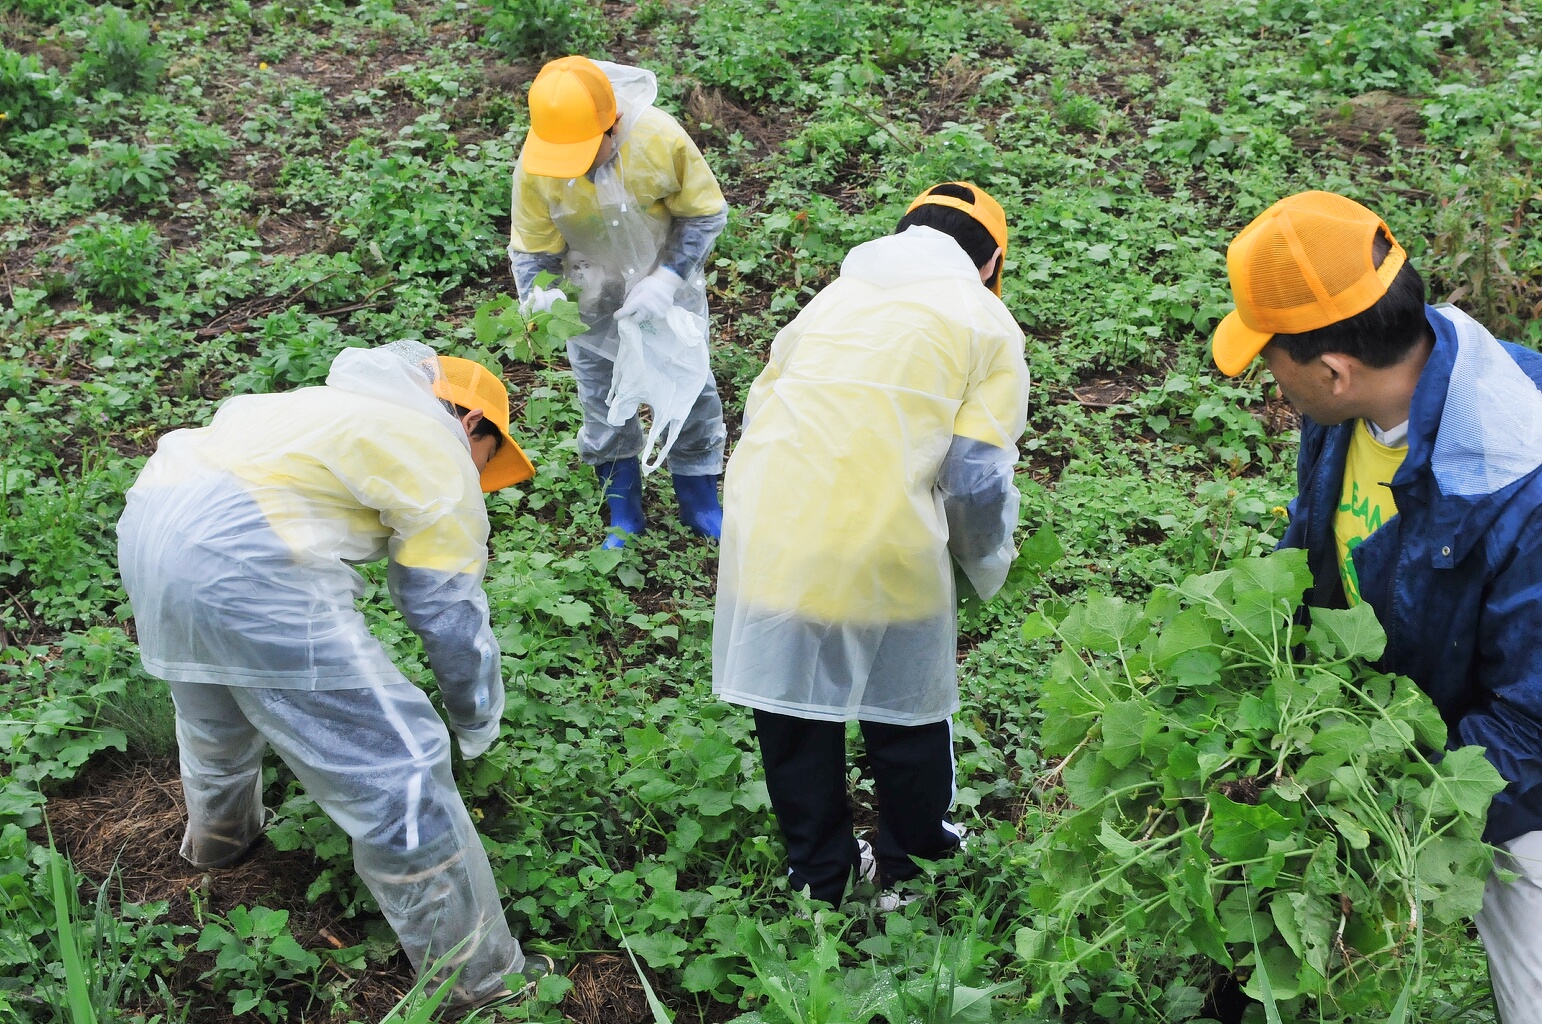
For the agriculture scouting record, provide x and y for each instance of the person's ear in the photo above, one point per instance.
(990, 265)
(470, 420)
(1343, 370)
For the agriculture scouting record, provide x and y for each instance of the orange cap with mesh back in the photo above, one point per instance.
(572, 106)
(1304, 263)
(471, 385)
(985, 211)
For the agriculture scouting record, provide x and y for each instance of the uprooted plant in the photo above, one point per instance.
(1248, 794)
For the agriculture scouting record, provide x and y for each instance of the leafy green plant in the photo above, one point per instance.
(297, 350)
(538, 338)
(543, 28)
(120, 55)
(112, 259)
(83, 961)
(1295, 820)
(418, 215)
(31, 96)
(139, 174)
(1481, 230)
(255, 952)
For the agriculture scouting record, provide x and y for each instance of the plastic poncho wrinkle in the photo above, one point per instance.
(835, 592)
(236, 541)
(377, 760)
(614, 226)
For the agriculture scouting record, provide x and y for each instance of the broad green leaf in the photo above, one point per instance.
(1322, 876)
(1183, 762)
(1037, 626)
(1243, 831)
(1306, 923)
(1115, 843)
(1353, 832)
(1283, 576)
(1028, 943)
(659, 948)
(1197, 670)
(1465, 782)
(1204, 928)
(1352, 632)
(1124, 724)
(1041, 550)
(1341, 742)
(1452, 874)
(1274, 978)
(705, 973)
(1190, 630)
(1105, 624)
(1241, 921)
(1257, 714)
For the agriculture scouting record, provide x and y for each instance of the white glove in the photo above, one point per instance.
(540, 300)
(651, 297)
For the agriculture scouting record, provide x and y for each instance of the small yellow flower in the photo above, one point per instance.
(4, 116)
(262, 65)
(1280, 511)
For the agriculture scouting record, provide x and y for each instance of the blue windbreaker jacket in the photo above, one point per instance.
(1455, 577)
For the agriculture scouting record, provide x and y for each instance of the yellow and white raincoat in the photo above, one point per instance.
(655, 203)
(878, 446)
(236, 548)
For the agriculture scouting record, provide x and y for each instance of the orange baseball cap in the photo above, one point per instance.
(1302, 264)
(471, 385)
(985, 211)
(572, 106)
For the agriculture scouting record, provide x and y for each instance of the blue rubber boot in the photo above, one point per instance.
(623, 493)
(699, 508)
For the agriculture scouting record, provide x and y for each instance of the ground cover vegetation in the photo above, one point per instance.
(1178, 800)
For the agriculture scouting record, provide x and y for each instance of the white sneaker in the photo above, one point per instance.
(867, 863)
(889, 901)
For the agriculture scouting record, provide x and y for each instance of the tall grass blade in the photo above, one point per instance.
(660, 1012)
(77, 988)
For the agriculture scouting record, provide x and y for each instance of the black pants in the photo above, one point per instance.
(805, 763)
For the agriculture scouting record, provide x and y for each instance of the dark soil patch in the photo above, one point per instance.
(1359, 124)
(606, 989)
(125, 818)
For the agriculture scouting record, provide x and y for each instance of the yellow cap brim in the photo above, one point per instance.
(509, 465)
(1235, 344)
(559, 159)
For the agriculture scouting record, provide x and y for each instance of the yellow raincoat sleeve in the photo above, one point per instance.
(699, 194)
(424, 486)
(531, 227)
(995, 409)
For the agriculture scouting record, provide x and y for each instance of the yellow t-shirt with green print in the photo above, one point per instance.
(1366, 501)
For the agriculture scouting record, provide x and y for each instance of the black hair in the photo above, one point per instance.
(1381, 336)
(484, 428)
(969, 233)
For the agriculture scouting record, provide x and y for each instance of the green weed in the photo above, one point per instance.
(543, 28)
(119, 55)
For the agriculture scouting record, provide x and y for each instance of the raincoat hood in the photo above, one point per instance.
(402, 373)
(914, 255)
(635, 89)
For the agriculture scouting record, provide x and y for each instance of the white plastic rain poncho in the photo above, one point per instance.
(654, 204)
(235, 548)
(878, 446)
(238, 538)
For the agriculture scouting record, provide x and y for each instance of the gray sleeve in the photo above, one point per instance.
(980, 501)
(690, 240)
(526, 265)
(448, 610)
